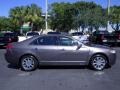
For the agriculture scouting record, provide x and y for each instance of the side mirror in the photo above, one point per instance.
(79, 46)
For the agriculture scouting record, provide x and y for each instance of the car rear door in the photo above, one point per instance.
(46, 48)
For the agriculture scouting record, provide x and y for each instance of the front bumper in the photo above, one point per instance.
(112, 59)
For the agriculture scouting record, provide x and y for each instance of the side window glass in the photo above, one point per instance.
(65, 41)
(46, 40)
(35, 42)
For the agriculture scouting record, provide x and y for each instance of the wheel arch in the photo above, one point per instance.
(98, 55)
(26, 55)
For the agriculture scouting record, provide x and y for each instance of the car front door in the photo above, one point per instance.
(70, 50)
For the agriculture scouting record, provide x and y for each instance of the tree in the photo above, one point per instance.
(115, 17)
(22, 14)
(5, 24)
(66, 16)
(34, 16)
(90, 15)
(17, 16)
(61, 17)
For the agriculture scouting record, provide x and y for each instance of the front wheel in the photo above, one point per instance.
(98, 62)
(28, 63)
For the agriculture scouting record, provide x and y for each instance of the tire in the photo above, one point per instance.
(98, 62)
(28, 63)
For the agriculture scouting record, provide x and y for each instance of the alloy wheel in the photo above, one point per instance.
(28, 63)
(99, 62)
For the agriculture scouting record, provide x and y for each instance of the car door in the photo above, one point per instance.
(69, 50)
(46, 48)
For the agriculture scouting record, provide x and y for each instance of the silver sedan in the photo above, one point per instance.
(58, 50)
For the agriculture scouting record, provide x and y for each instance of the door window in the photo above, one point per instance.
(66, 41)
(45, 40)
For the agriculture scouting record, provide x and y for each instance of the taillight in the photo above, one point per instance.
(9, 46)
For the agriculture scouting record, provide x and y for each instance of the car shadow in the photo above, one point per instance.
(13, 66)
(63, 67)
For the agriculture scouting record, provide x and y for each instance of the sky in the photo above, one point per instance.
(6, 5)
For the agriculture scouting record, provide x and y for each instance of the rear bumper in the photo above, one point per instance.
(10, 58)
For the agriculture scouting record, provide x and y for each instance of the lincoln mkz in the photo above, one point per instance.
(58, 50)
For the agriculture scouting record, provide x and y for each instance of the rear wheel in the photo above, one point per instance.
(28, 63)
(98, 62)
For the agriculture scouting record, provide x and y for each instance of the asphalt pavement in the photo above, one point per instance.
(59, 78)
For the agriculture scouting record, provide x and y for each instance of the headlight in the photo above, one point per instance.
(112, 51)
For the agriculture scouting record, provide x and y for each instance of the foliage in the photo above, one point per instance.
(115, 17)
(66, 16)
(5, 24)
(61, 17)
(22, 14)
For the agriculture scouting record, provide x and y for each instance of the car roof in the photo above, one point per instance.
(35, 37)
